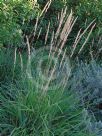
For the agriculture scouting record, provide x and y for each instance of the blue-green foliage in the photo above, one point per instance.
(87, 80)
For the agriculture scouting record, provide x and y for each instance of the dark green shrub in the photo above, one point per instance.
(14, 20)
(88, 11)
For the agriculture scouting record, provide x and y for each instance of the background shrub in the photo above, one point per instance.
(15, 17)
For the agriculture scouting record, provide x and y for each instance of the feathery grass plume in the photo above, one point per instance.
(79, 36)
(96, 49)
(51, 56)
(60, 35)
(58, 40)
(46, 7)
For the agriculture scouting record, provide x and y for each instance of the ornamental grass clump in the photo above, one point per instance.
(40, 104)
(42, 108)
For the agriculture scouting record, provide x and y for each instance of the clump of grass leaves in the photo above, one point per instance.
(28, 113)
